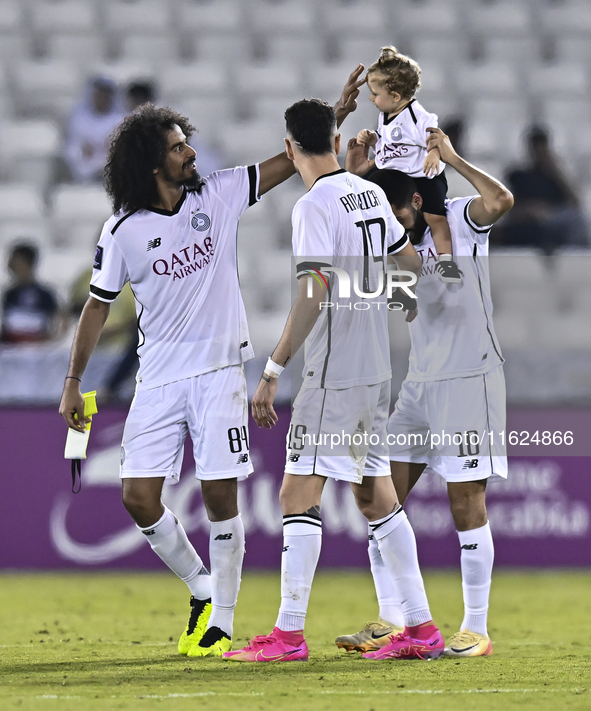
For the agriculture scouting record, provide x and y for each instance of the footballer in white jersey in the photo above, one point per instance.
(173, 238)
(333, 222)
(454, 387)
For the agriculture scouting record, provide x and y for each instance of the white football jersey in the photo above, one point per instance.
(346, 222)
(453, 335)
(402, 140)
(182, 268)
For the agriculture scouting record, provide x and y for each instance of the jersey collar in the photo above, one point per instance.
(177, 207)
(389, 120)
(327, 175)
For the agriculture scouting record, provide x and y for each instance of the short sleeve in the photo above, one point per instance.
(478, 233)
(109, 273)
(238, 188)
(425, 120)
(312, 238)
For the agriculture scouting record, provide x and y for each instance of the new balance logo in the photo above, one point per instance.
(293, 458)
(470, 546)
(242, 459)
(153, 243)
(470, 464)
(151, 532)
(223, 537)
(285, 548)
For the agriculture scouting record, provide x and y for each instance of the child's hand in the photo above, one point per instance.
(367, 137)
(431, 164)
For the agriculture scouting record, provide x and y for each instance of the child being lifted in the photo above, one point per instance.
(400, 143)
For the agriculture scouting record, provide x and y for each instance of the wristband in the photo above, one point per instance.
(272, 369)
(72, 377)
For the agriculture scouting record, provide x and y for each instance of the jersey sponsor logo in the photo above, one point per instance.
(360, 201)
(470, 546)
(187, 261)
(223, 537)
(98, 258)
(153, 243)
(470, 464)
(200, 222)
(242, 459)
(395, 150)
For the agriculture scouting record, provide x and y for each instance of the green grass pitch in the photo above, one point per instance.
(108, 641)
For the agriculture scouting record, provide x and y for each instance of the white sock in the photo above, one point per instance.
(398, 547)
(169, 541)
(388, 600)
(477, 558)
(302, 539)
(226, 552)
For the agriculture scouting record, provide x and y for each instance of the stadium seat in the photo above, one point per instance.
(562, 79)
(123, 16)
(149, 47)
(248, 143)
(293, 16)
(412, 18)
(11, 16)
(204, 113)
(495, 128)
(570, 49)
(196, 79)
(522, 51)
(85, 49)
(225, 48)
(568, 120)
(355, 19)
(567, 18)
(498, 78)
(47, 16)
(59, 268)
(505, 16)
(22, 209)
(446, 51)
(77, 215)
(27, 151)
(213, 16)
(46, 87)
(14, 47)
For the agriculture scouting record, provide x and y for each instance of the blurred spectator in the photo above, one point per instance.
(139, 93)
(30, 313)
(89, 128)
(547, 213)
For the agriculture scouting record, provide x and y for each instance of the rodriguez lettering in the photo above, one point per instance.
(186, 261)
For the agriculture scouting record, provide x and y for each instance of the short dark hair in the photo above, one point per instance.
(26, 251)
(139, 145)
(311, 123)
(399, 187)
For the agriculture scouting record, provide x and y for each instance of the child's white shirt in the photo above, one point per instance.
(402, 140)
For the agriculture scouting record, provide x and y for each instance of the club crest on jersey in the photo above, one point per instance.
(397, 133)
(200, 222)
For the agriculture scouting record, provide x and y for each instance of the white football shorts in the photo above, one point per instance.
(340, 434)
(212, 408)
(456, 426)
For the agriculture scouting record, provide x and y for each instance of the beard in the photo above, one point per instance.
(194, 183)
(417, 231)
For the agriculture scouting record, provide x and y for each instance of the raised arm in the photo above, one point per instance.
(347, 102)
(94, 314)
(304, 314)
(274, 171)
(494, 200)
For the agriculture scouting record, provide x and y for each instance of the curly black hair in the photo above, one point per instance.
(139, 145)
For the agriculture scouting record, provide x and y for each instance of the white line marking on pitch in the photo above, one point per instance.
(330, 691)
